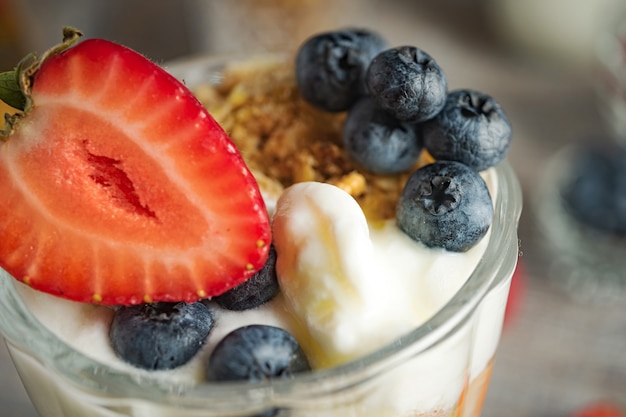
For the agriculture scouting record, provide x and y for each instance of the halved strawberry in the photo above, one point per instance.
(117, 187)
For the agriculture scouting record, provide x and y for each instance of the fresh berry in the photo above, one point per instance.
(595, 191)
(261, 288)
(119, 188)
(379, 142)
(160, 335)
(331, 66)
(600, 409)
(471, 128)
(256, 353)
(408, 83)
(446, 205)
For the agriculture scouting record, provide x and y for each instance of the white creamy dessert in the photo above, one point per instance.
(375, 285)
(352, 284)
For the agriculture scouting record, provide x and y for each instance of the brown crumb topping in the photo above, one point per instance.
(285, 140)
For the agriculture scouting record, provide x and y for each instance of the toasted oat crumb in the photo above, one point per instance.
(285, 140)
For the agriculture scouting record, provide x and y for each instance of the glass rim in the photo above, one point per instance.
(24, 331)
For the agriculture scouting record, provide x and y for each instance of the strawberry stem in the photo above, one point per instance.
(15, 86)
(70, 37)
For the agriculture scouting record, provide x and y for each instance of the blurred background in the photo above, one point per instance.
(550, 30)
(556, 67)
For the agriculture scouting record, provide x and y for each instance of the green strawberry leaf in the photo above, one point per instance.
(10, 91)
(15, 85)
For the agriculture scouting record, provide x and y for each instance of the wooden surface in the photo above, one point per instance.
(556, 354)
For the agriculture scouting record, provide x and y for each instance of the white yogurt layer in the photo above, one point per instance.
(354, 287)
(348, 288)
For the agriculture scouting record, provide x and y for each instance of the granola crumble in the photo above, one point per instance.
(285, 140)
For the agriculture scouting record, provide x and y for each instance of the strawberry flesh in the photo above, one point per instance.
(119, 188)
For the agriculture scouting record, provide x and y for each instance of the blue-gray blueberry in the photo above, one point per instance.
(256, 353)
(408, 83)
(259, 289)
(594, 191)
(472, 128)
(379, 142)
(331, 67)
(445, 205)
(160, 335)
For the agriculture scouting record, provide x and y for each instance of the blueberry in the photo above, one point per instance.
(257, 290)
(408, 83)
(160, 335)
(379, 142)
(471, 128)
(445, 205)
(256, 353)
(331, 66)
(595, 190)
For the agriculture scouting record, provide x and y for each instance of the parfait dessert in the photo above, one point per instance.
(328, 234)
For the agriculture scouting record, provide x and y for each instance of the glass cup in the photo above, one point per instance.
(585, 262)
(441, 368)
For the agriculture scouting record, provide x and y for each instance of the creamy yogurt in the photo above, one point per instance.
(348, 289)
